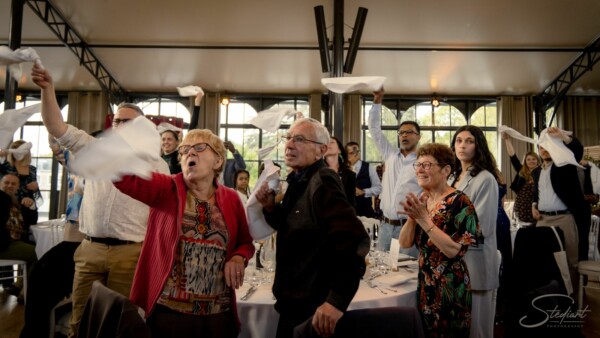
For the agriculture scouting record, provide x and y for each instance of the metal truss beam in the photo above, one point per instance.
(553, 95)
(72, 40)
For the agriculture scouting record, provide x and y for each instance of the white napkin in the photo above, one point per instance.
(14, 58)
(21, 151)
(270, 119)
(164, 126)
(561, 155)
(595, 174)
(189, 91)
(343, 85)
(394, 279)
(13, 119)
(259, 228)
(265, 151)
(130, 149)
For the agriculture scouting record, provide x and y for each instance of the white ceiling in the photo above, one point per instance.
(284, 25)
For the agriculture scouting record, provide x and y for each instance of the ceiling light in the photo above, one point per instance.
(435, 101)
(225, 100)
(18, 98)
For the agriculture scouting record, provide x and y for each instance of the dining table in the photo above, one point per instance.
(47, 234)
(259, 319)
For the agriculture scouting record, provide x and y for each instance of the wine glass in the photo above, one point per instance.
(267, 257)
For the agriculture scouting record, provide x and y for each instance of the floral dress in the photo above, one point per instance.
(444, 289)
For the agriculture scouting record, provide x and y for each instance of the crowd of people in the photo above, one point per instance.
(178, 243)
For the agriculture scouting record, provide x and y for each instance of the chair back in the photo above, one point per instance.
(109, 314)
(18, 269)
(383, 322)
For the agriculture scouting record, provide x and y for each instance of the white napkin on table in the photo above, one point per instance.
(127, 150)
(394, 279)
(343, 85)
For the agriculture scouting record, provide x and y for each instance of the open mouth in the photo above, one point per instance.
(191, 163)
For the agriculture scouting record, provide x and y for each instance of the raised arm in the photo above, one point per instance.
(510, 150)
(374, 122)
(51, 114)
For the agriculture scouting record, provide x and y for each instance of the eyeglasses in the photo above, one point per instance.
(354, 152)
(198, 147)
(118, 121)
(424, 165)
(407, 132)
(298, 139)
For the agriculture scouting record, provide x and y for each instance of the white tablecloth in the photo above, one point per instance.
(259, 318)
(47, 234)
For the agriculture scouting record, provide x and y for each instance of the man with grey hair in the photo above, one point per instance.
(113, 224)
(321, 244)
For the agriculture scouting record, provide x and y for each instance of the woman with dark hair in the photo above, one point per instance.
(522, 184)
(336, 158)
(169, 140)
(241, 178)
(475, 174)
(443, 224)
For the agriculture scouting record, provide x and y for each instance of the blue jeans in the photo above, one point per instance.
(386, 233)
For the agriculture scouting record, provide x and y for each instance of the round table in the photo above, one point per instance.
(259, 318)
(47, 234)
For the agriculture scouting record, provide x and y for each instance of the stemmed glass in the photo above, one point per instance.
(267, 257)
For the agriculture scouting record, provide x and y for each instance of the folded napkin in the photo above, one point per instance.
(132, 149)
(189, 91)
(259, 228)
(343, 85)
(394, 279)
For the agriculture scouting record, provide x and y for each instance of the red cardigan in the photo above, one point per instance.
(166, 196)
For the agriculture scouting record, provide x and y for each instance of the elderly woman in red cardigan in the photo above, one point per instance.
(196, 246)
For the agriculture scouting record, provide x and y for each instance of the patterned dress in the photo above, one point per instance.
(444, 290)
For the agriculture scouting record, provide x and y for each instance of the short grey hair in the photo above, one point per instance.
(131, 106)
(321, 133)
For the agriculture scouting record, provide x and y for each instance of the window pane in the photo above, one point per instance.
(491, 115)
(443, 137)
(424, 115)
(457, 117)
(426, 136)
(150, 107)
(44, 173)
(369, 150)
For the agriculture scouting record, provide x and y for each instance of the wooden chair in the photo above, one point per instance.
(19, 269)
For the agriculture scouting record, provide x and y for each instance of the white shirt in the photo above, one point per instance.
(375, 188)
(399, 176)
(105, 211)
(548, 200)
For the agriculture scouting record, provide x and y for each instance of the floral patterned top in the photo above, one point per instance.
(444, 290)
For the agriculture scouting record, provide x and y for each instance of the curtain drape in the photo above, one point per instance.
(581, 114)
(515, 112)
(88, 110)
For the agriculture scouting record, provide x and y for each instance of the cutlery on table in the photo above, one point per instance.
(249, 293)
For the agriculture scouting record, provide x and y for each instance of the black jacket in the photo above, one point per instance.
(321, 244)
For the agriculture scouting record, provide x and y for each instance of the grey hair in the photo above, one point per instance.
(321, 133)
(131, 106)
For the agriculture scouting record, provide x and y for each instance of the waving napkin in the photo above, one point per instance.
(343, 85)
(164, 126)
(20, 152)
(13, 119)
(270, 119)
(259, 228)
(14, 59)
(189, 91)
(130, 149)
(561, 155)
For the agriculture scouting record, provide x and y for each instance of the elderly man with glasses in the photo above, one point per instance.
(113, 223)
(399, 178)
(368, 184)
(321, 244)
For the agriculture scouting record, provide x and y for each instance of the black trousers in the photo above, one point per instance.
(50, 281)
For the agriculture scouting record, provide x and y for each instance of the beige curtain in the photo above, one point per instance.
(209, 112)
(581, 114)
(88, 110)
(352, 106)
(515, 112)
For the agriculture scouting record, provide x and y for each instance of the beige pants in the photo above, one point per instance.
(567, 224)
(114, 266)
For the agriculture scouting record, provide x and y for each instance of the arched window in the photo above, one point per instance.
(486, 117)
(248, 139)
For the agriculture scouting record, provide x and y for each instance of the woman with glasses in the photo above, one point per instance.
(475, 174)
(336, 159)
(196, 246)
(443, 224)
